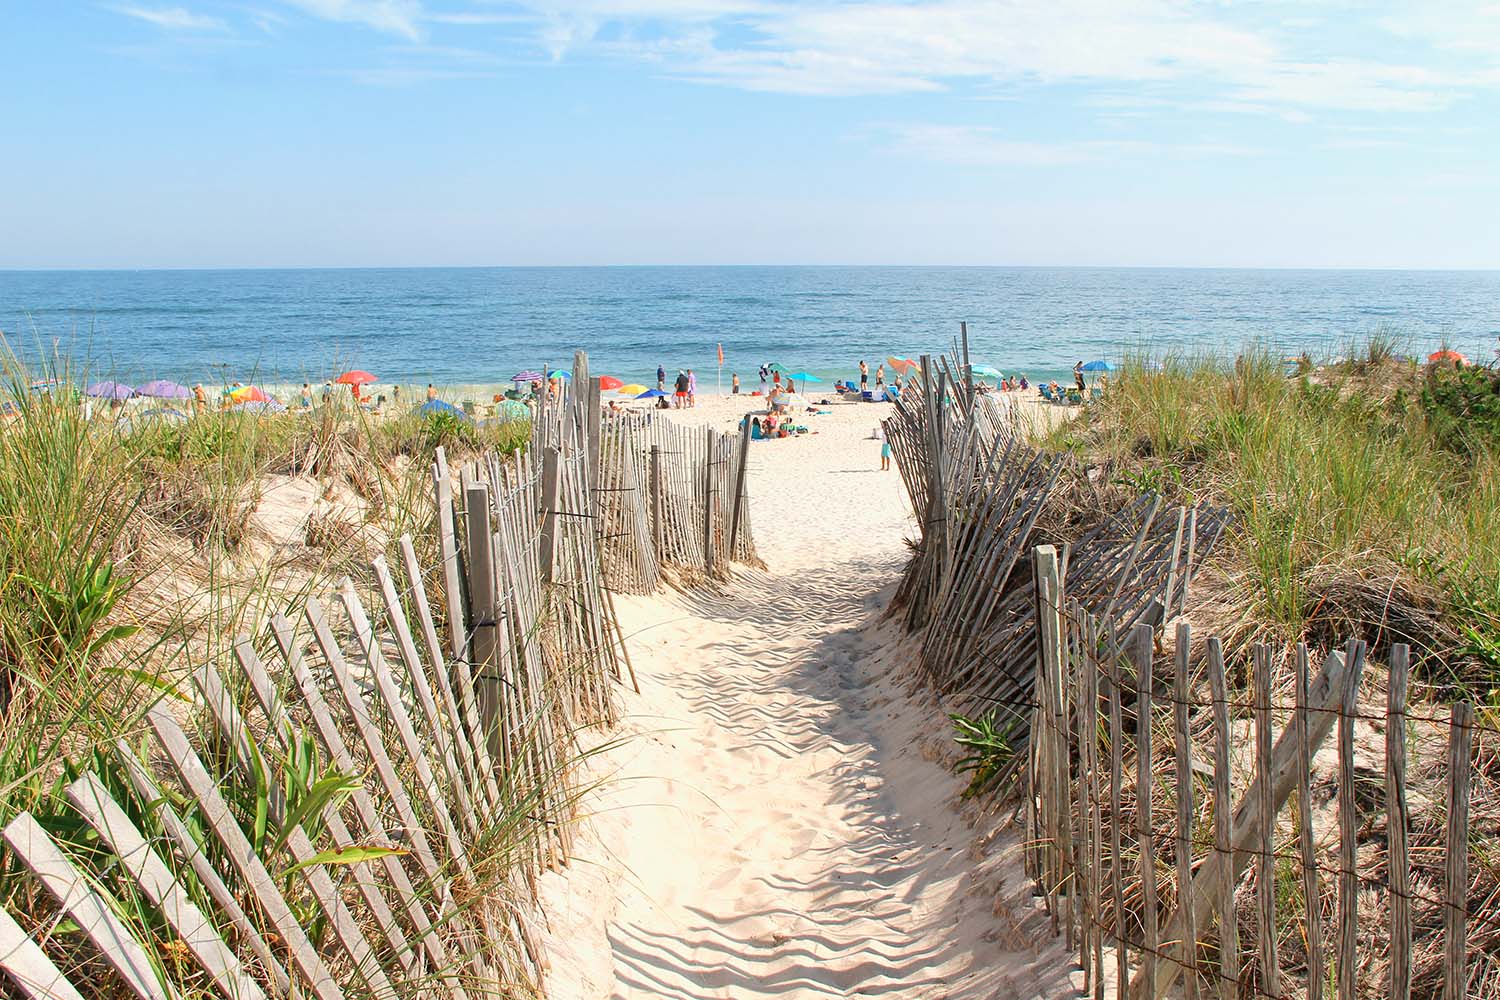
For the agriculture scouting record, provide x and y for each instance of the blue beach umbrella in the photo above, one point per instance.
(434, 407)
(560, 374)
(985, 371)
(651, 394)
(1099, 366)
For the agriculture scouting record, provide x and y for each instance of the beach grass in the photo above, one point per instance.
(1366, 494)
(126, 556)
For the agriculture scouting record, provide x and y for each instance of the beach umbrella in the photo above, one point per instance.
(260, 406)
(559, 373)
(1447, 355)
(355, 377)
(163, 389)
(633, 389)
(803, 377)
(249, 394)
(44, 384)
(434, 407)
(904, 366)
(776, 366)
(985, 371)
(610, 382)
(526, 376)
(651, 394)
(515, 410)
(109, 390)
(1099, 366)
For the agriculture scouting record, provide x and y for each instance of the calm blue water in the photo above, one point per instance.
(467, 325)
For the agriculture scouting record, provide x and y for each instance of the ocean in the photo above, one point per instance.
(456, 326)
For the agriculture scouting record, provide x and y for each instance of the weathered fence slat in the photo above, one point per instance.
(1182, 743)
(1456, 882)
(28, 965)
(1348, 878)
(156, 880)
(1311, 906)
(89, 911)
(1398, 822)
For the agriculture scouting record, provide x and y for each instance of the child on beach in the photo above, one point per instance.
(885, 449)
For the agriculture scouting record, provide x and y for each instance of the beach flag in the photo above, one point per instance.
(721, 354)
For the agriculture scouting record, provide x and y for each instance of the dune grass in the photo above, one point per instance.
(1366, 495)
(125, 559)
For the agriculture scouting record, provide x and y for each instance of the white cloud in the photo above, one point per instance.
(173, 18)
(394, 17)
(992, 147)
(1211, 53)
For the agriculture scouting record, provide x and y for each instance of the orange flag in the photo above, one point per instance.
(721, 354)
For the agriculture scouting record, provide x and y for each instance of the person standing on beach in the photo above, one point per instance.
(885, 448)
(1078, 376)
(200, 398)
(306, 399)
(431, 392)
(864, 376)
(692, 388)
(395, 395)
(879, 377)
(681, 390)
(661, 379)
(765, 374)
(734, 383)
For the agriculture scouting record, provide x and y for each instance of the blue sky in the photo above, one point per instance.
(144, 133)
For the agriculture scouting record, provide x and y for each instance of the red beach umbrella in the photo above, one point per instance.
(355, 377)
(610, 382)
(1447, 355)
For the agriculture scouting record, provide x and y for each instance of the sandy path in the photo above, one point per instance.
(773, 827)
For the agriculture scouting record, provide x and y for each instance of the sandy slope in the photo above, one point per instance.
(774, 823)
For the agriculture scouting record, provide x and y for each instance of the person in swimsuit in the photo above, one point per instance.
(1078, 376)
(864, 376)
(734, 384)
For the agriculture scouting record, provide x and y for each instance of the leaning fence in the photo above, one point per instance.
(1162, 860)
(1170, 875)
(360, 804)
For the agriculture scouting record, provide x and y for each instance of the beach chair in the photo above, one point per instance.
(1046, 391)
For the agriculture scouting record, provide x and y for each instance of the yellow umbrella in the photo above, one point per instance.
(631, 390)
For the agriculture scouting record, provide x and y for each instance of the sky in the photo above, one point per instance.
(255, 133)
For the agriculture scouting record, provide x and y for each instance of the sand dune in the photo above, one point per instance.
(774, 823)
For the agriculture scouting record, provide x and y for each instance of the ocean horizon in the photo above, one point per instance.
(479, 325)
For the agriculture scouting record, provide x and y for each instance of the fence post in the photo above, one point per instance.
(656, 501)
(1456, 914)
(1312, 907)
(551, 497)
(1181, 744)
(1229, 926)
(739, 484)
(1397, 822)
(1348, 877)
(1049, 701)
(1141, 654)
(708, 504)
(482, 603)
(593, 415)
(1265, 863)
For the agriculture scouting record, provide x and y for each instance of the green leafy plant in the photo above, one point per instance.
(988, 740)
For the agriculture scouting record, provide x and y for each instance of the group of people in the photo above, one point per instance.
(684, 387)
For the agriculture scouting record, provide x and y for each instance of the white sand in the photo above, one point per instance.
(775, 822)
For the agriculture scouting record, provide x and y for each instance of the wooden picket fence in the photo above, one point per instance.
(360, 804)
(1097, 770)
(978, 492)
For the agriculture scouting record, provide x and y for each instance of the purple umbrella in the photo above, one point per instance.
(109, 390)
(164, 389)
